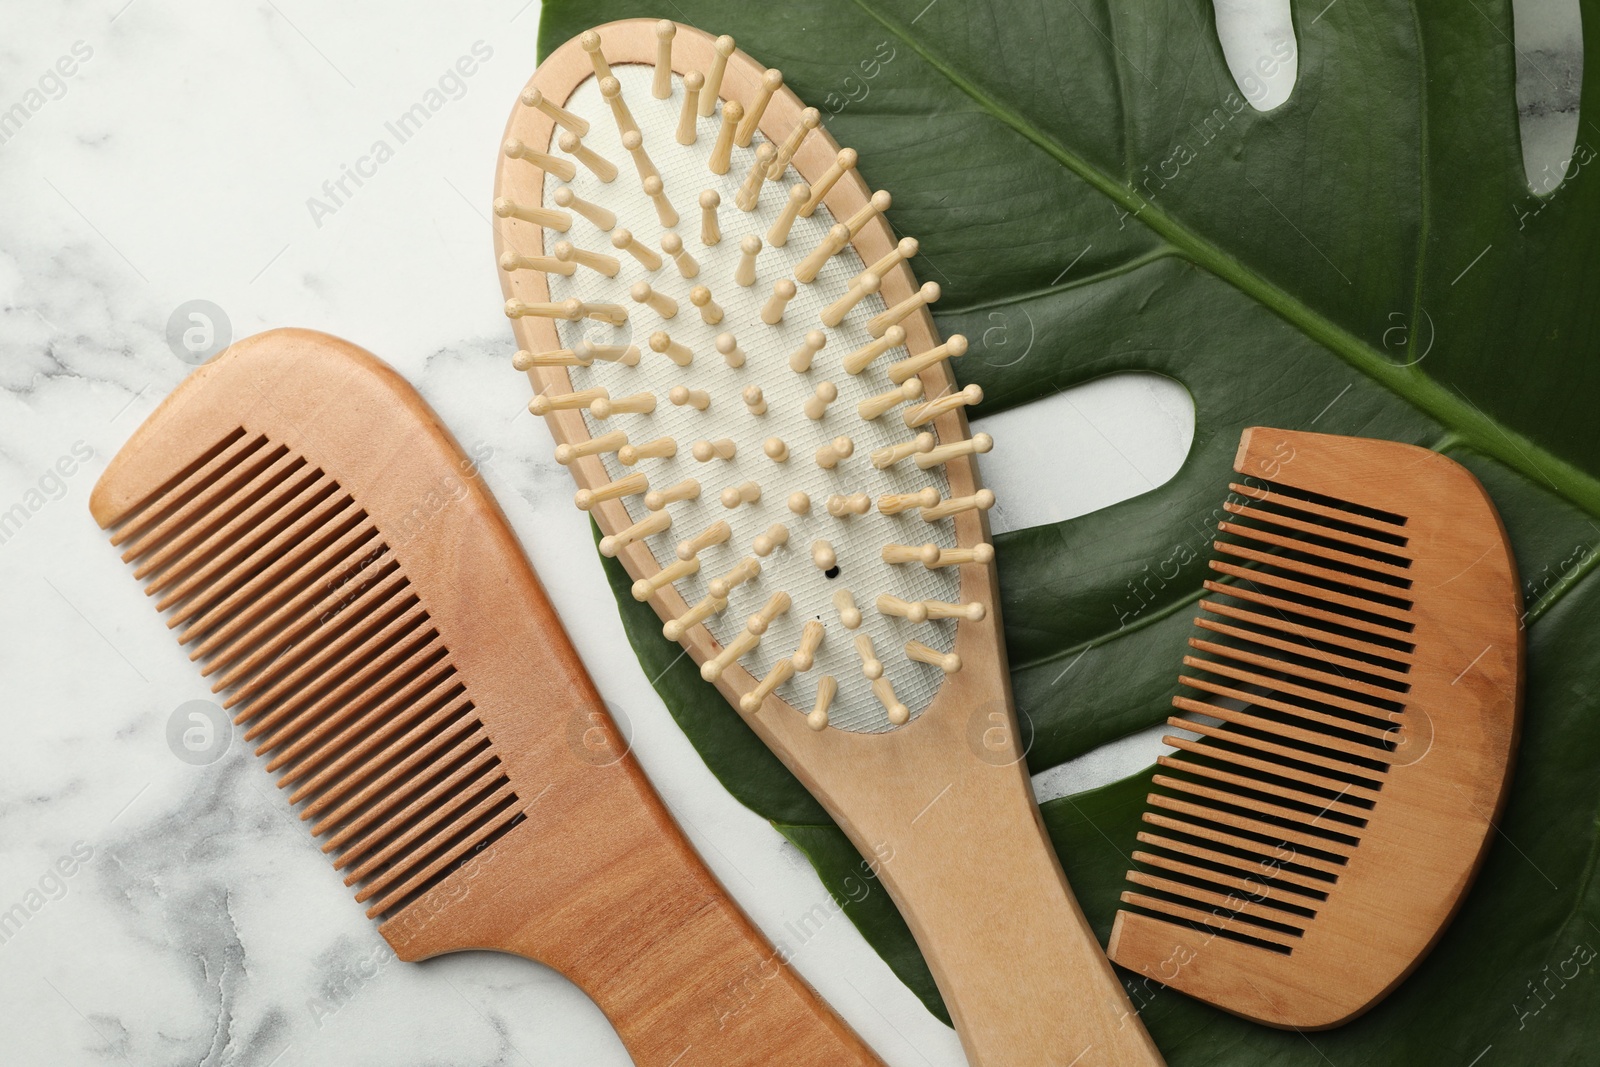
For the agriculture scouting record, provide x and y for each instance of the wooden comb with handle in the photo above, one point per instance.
(1352, 710)
(333, 558)
(762, 419)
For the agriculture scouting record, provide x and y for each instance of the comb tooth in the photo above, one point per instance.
(831, 245)
(827, 687)
(633, 144)
(710, 231)
(982, 500)
(722, 150)
(1370, 547)
(649, 526)
(571, 310)
(1396, 575)
(660, 303)
(783, 291)
(871, 665)
(367, 722)
(1264, 868)
(844, 602)
(1382, 694)
(661, 342)
(235, 552)
(749, 194)
(601, 167)
(1336, 803)
(766, 543)
(674, 629)
(895, 503)
(721, 49)
(504, 819)
(1363, 709)
(1392, 664)
(1372, 750)
(390, 600)
(560, 357)
(883, 689)
(1383, 530)
(626, 486)
(456, 753)
(545, 403)
(1253, 596)
(877, 205)
(682, 395)
(276, 636)
(1395, 617)
(458, 772)
(771, 82)
(611, 442)
(811, 635)
(917, 652)
(688, 129)
(645, 588)
(1378, 592)
(800, 359)
(1272, 831)
(1250, 888)
(841, 505)
(1243, 844)
(754, 400)
(1336, 832)
(831, 454)
(823, 555)
(910, 610)
(954, 347)
(1237, 905)
(602, 217)
(330, 509)
(777, 604)
(590, 42)
(559, 115)
(1364, 776)
(432, 709)
(253, 609)
(844, 161)
(926, 413)
(932, 457)
(598, 262)
(1210, 920)
(731, 653)
(687, 266)
(747, 569)
(781, 672)
(810, 119)
(903, 251)
(865, 284)
(624, 241)
(862, 358)
(799, 193)
(728, 348)
(715, 534)
(919, 446)
(192, 520)
(799, 503)
(549, 217)
(476, 800)
(928, 294)
(661, 84)
(743, 493)
(666, 214)
(555, 166)
(1304, 777)
(213, 465)
(875, 407)
(722, 448)
(512, 261)
(776, 449)
(816, 406)
(611, 89)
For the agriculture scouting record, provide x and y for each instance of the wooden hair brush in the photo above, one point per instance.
(1350, 717)
(744, 380)
(337, 564)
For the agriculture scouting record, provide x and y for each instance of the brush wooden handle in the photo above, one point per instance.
(972, 870)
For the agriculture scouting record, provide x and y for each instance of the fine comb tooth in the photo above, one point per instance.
(207, 510)
(1330, 649)
(482, 796)
(205, 471)
(468, 840)
(444, 711)
(363, 724)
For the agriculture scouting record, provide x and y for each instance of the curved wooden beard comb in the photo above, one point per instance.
(1350, 713)
(743, 377)
(336, 563)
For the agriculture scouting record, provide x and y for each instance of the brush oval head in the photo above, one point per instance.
(1349, 713)
(786, 352)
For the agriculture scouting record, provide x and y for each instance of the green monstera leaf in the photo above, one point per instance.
(1363, 259)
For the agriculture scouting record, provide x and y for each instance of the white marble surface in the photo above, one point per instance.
(176, 913)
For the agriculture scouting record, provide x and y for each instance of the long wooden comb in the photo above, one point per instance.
(333, 557)
(1352, 710)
